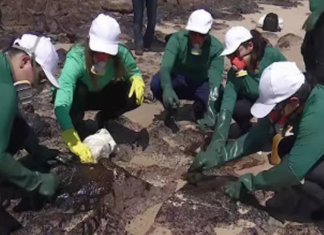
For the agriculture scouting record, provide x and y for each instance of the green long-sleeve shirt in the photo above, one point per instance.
(248, 86)
(242, 87)
(8, 104)
(74, 71)
(308, 149)
(177, 58)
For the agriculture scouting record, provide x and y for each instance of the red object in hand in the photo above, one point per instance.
(101, 57)
(238, 63)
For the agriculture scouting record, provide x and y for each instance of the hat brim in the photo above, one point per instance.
(98, 46)
(197, 29)
(260, 110)
(231, 50)
(51, 78)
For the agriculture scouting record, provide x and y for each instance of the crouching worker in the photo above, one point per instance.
(284, 95)
(302, 156)
(98, 75)
(250, 55)
(23, 66)
(191, 69)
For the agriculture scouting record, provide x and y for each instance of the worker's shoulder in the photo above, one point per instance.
(269, 51)
(315, 101)
(77, 52)
(122, 46)
(214, 42)
(180, 35)
(122, 49)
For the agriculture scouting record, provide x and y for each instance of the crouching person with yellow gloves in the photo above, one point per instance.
(284, 90)
(100, 74)
(24, 66)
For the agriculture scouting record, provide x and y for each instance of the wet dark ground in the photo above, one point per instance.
(105, 198)
(99, 199)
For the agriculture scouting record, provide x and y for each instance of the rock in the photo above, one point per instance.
(286, 3)
(289, 40)
(122, 6)
(5, 41)
(69, 21)
(269, 35)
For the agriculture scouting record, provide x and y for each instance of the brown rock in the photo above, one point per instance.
(288, 41)
(122, 6)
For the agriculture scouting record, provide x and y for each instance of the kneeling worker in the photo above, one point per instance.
(23, 66)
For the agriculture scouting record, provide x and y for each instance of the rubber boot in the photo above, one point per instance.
(14, 172)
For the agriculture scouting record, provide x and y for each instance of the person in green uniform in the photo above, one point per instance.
(99, 75)
(284, 90)
(23, 66)
(313, 48)
(191, 69)
(250, 55)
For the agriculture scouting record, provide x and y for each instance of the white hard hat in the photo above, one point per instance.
(278, 82)
(200, 21)
(234, 37)
(104, 35)
(43, 51)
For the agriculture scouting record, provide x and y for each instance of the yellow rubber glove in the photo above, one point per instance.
(138, 87)
(72, 140)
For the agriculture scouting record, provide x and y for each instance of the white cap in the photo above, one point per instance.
(104, 35)
(278, 82)
(43, 52)
(200, 21)
(234, 37)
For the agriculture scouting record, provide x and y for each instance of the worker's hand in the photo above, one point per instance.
(238, 189)
(235, 190)
(170, 98)
(138, 88)
(207, 122)
(208, 159)
(72, 140)
(48, 184)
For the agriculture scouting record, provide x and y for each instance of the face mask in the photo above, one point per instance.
(196, 50)
(100, 62)
(276, 117)
(99, 68)
(197, 41)
(24, 91)
(239, 65)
